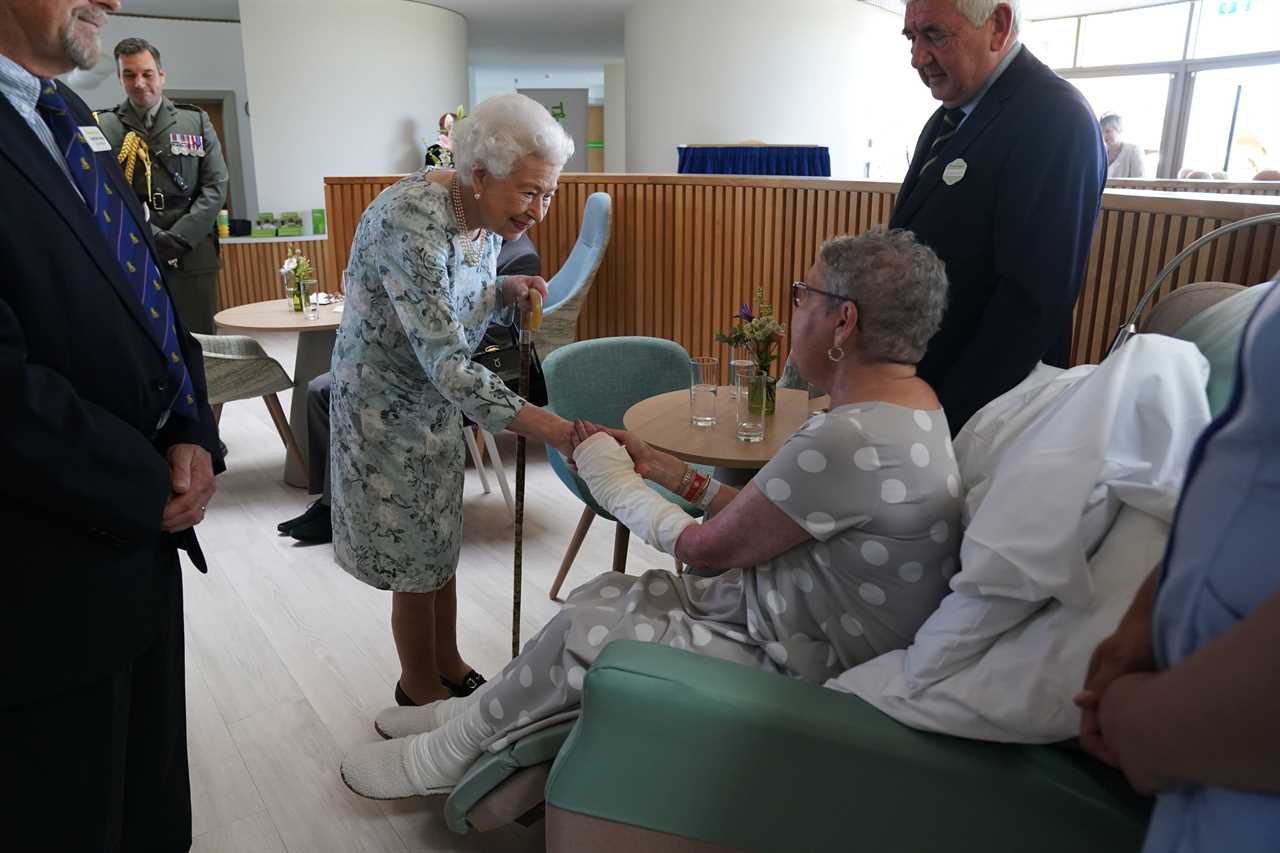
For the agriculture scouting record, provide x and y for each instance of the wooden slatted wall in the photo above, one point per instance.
(1138, 233)
(1184, 186)
(251, 271)
(686, 250)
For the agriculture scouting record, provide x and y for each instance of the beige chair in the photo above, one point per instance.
(237, 368)
(1173, 311)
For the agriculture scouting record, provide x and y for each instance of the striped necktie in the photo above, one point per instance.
(120, 230)
(950, 124)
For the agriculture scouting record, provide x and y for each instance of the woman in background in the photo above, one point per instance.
(1124, 159)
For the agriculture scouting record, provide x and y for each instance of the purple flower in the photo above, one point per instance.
(744, 312)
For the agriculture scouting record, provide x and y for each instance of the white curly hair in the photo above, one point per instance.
(503, 129)
(978, 12)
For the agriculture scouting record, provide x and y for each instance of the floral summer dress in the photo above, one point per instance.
(402, 379)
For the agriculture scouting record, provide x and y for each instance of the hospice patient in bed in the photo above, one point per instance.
(1185, 696)
(836, 552)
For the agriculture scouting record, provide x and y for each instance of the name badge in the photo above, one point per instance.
(94, 138)
(954, 172)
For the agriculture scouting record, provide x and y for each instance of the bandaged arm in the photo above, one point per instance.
(607, 470)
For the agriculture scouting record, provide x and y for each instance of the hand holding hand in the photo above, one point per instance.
(1128, 650)
(191, 478)
(1117, 718)
(169, 246)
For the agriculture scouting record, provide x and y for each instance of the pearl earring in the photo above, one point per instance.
(476, 196)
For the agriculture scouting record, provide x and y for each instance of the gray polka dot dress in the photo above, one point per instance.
(877, 487)
(402, 376)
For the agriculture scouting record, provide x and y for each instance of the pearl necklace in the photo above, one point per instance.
(470, 248)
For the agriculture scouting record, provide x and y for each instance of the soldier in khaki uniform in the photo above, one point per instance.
(180, 176)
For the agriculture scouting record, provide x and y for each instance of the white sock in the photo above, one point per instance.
(443, 756)
(415, 719)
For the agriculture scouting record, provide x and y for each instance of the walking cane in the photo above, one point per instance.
(529, 323)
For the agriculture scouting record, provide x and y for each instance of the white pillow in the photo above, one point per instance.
(1019, 690)
(1048, 466)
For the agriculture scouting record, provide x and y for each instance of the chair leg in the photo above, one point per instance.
(475, 457)
(621, 539)
(579, 533)
(499, 471)
(217, 413)
(286, 434)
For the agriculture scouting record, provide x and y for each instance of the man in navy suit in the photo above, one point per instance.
(1005, 186)
(107, 457)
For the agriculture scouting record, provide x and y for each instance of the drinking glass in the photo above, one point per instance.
(704, 378)
(750, 425)
(740, 357)
(310, 307)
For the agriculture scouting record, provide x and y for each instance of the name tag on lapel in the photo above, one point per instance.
(94, 138)
(954, 172)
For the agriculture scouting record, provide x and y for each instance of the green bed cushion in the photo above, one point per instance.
(725, 754)
(493, 769)
(1216, 332)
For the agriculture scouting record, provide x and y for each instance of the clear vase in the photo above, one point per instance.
(764, 401)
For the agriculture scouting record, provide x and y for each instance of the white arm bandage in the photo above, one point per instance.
(607, 469)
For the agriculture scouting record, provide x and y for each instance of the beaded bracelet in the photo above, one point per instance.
(685, 480)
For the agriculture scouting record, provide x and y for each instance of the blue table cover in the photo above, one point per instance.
(814, 160)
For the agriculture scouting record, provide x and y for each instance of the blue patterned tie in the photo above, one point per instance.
(121, 231)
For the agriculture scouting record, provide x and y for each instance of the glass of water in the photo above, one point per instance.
(750, 425)
(704, 378)
(740, 358)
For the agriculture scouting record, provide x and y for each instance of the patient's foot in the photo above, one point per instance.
(421, 765)
(414, 720)
(386, 771)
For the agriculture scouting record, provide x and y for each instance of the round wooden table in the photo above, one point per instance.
(663, 422)
(315, 349)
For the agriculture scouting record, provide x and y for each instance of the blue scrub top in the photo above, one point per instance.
(1220, 564)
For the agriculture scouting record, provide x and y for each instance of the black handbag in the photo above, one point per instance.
(500, 353)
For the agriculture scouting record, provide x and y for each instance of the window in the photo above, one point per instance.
(1053, 42)
(1231, 27)
(1140, 101)
(1234, 126)
(1151, 34)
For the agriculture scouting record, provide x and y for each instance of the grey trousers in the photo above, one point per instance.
(318, 435)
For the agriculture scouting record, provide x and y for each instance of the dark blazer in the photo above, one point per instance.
(88, 575)
(1014, 232)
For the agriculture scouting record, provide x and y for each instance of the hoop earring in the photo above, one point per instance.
(835, 354)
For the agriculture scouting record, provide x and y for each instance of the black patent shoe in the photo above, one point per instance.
(470, 683)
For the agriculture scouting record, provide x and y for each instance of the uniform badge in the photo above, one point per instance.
(197, 144)
(954, 172)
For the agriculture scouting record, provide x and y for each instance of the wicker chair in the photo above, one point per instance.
(237, 368)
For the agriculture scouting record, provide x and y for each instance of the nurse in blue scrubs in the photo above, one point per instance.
(1185, 696)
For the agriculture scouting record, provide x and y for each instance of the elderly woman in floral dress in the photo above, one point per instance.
(421, 291)
(836, 552)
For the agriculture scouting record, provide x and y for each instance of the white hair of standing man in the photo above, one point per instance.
(503, 129)
(978, 12)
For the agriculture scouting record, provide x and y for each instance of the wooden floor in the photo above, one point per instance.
(289, 658)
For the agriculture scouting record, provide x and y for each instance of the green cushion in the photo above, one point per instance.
(493, 769)
(1216, 332)
(724, 754)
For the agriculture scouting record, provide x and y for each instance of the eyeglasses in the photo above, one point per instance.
(798, 288)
